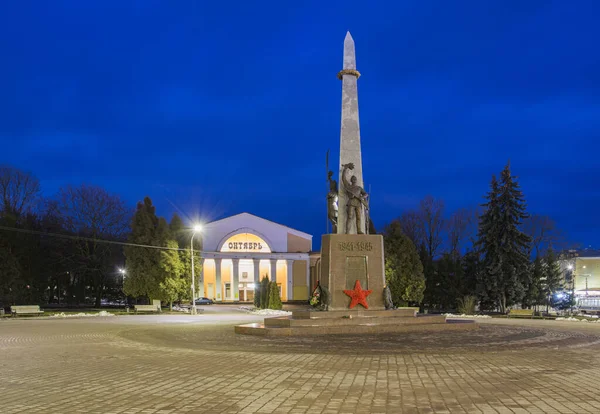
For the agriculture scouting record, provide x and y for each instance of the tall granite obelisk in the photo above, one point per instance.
(349, 134)
(352, 261)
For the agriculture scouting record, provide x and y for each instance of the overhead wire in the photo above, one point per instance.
(70, 236)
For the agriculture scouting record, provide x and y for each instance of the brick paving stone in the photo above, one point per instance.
(163, 365)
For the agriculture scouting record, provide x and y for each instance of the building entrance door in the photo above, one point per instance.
(228, 291)
(211, 291)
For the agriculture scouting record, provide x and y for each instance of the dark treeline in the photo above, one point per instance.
(68, 248)
(54, 250)
(496, 255)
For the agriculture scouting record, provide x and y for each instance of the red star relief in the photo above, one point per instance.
(358, 295)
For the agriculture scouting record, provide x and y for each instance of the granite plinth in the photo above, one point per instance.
(364, 328)
(355, 313)
(346, 258)
(303, 323)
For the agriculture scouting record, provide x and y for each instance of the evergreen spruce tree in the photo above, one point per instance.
(403, 269)
(183, 235)
(450, 275)
(274, 297)
(503, 246)
(552, 276)
(535, 293)
(471, 267)
(179, 232)
(144, 272)
(173, 285)
(257, 295)
(264, 293)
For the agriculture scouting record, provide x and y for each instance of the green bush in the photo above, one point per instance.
(274, 298)
(264, 293)
(467, 304)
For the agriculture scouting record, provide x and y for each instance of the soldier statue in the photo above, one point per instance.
(357, 200)
(332, 202)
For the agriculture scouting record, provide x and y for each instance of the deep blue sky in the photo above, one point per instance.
(214, 108)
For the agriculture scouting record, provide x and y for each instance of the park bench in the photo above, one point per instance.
(146, 308)
(25, 310)
(520, 312)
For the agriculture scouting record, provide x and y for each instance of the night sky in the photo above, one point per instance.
(215, 108)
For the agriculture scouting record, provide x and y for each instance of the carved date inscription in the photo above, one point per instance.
(355, 246)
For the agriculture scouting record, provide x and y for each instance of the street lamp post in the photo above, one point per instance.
(197, 228)
(122, 271)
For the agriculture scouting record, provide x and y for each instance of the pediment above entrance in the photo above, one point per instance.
(258, 234)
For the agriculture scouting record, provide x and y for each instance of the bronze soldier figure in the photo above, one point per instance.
(332, 202)
(357, 199)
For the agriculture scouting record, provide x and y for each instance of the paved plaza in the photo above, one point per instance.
(196, 364)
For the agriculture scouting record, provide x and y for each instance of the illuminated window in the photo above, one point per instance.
(246, 242)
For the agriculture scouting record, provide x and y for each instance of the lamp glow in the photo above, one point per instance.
(570, 267)
(122, 271)
(197, 228)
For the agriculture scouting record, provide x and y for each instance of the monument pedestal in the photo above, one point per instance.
(346, 258)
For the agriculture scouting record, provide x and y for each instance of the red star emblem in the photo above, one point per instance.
(358, 295)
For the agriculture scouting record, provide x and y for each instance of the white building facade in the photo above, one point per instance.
(239, 251)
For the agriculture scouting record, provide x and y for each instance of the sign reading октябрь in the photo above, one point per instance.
(355, 246)
(244, 246)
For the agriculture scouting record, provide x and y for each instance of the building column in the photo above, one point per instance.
(290, 279)
(235, 289)
(201, 279)
(256, 271)
(308, 287)
(218, 287)
(273, 270)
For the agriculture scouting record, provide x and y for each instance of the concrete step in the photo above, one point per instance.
(291, 321)
(357, 312)
(260, 329)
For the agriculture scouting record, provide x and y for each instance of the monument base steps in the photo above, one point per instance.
(303, 323)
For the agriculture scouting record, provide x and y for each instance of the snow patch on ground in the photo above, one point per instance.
(81, 315)
(452, 315)
(571, 319)
(264, 312)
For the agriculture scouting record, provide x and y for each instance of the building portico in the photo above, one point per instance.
(241, 250)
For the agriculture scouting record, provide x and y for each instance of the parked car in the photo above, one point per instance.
(204, 301)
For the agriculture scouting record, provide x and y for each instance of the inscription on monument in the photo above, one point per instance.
(356, 269)
(355, 246)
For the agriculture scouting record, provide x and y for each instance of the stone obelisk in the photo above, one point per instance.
(350, 132)
(351, 260)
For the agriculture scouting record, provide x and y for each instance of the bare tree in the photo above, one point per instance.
(543, 233)
(431, 213)
(461, 227)
(424, 226)
(410, 223)
(97, 215)
(18, 191)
